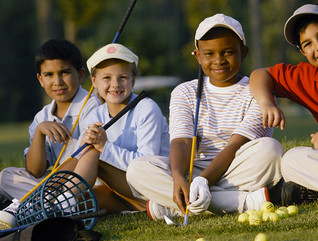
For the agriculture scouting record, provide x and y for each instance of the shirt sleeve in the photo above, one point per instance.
(181, 112)
(148, 123)
(251, 126)
(49, 155)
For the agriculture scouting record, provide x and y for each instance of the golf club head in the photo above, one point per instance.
(169, 221)
(186, 219)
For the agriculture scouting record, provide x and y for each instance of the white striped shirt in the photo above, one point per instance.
(224, 111)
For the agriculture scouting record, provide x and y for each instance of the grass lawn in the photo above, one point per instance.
(137, 226)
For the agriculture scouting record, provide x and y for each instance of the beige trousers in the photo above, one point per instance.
(17, 182)
(300, 165)
(256, 164)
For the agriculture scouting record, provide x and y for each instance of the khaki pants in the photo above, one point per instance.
(256, 164)
(300, 165)
(17, 182)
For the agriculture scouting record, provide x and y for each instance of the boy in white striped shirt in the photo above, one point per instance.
(236, 162)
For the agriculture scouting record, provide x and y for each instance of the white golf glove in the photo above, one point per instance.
(200, 195)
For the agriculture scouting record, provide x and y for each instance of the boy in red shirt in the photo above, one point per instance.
(298, 83)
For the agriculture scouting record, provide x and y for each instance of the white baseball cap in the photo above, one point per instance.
(289, 28)
(219, 20)
(111, 51)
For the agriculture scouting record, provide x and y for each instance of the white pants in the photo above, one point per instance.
(256, 164)
(17, 182)
(300, 165)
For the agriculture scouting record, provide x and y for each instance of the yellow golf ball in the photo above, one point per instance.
(243, 217)
(267, 207)
(281, 213)
(254, 219)
(292, 210)
(261, 237)
(283, 208)
(250, 211)
(273, 217)
(200, 239)
(266, 216)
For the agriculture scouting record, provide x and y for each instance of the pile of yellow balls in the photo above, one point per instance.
(267, 213)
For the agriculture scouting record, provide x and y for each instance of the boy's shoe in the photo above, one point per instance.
(7, 215)
(254, 200)
(66, 202)
(275, 192)
(293, 193)
(156, 211)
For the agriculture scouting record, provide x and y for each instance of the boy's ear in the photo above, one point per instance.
(244, 52)
(302, 52)
(40, 79)
(196, 54)
(82, 74)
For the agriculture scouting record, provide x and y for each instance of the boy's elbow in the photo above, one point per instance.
(35, 173)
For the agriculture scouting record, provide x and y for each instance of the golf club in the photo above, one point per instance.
(194, 140)
(120, 29)
(132, 104)
(73, 128)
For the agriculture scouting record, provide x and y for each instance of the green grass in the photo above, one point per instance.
(137, 226)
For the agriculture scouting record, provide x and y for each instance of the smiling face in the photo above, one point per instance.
(60, 80)
(114, 81)
(220, 54)
(308, 39)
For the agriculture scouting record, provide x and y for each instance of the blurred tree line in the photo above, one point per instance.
(160, 32)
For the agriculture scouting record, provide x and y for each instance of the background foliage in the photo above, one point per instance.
(160, 32)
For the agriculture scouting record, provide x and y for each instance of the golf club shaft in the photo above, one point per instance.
(120, 29)
(124, 21)
(132, 104)
(99, 213)
(194, 139)
(142, 95)
(73, 128)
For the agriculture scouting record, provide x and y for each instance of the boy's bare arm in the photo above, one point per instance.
(35, 160)
(223, 160)
(180, 153)
(261, 85)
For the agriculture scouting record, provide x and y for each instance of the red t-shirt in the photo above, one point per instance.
(298, 83)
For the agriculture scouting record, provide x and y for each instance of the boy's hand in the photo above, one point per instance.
(96, 136)
(55, 131)
(200, 195)
(314, 140)
(181, 192)
(273, 116)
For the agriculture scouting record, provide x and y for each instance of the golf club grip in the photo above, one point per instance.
(99, 213)
(132, 104)
(124, 21)
(200, 82)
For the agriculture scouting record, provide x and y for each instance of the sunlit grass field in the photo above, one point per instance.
(137, 226)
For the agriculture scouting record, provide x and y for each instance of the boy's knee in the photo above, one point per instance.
(273, 149)
(298, 153)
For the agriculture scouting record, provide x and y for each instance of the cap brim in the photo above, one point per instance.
(289, 28)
